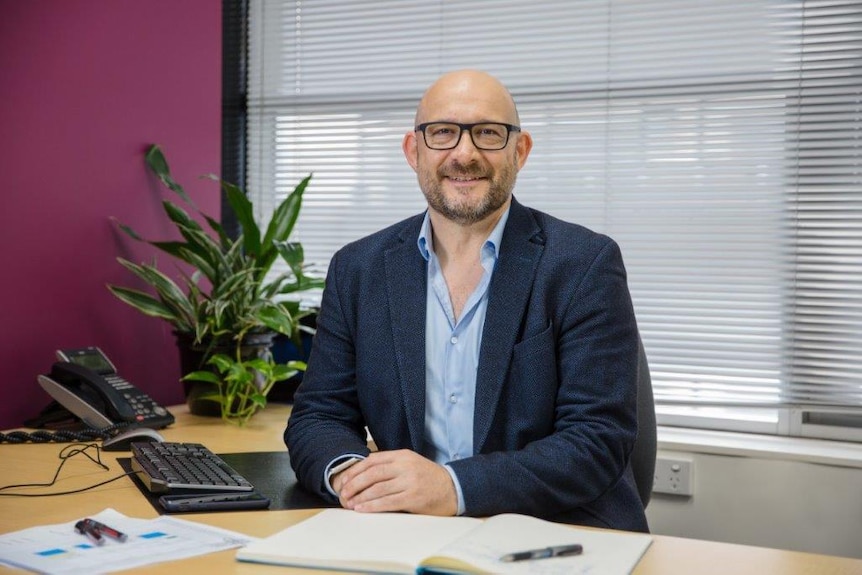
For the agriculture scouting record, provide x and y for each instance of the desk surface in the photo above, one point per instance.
(33, 463)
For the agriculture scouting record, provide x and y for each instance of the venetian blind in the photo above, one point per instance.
(720, 143)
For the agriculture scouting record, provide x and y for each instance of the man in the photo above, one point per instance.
(489, 349)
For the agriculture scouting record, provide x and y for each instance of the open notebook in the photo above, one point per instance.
(338, 539)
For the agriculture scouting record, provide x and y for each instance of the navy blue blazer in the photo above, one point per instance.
(556, 396)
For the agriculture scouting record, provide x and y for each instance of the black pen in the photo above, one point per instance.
(103, 529)
(87, 530)
(544, 553)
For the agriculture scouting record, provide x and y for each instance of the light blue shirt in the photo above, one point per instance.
(452, 355)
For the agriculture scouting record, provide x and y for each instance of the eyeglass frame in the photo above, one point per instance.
(469, 128)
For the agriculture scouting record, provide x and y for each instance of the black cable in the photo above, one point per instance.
(62, 436)
(60, 492)
(65, 454)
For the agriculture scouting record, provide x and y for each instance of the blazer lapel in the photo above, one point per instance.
(406, 281)
(521, 249)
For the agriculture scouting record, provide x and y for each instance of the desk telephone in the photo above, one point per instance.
(86, 383)
(185, 476)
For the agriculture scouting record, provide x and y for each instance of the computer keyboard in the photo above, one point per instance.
(170, 467)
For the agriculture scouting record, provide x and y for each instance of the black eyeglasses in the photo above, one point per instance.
(485, 135)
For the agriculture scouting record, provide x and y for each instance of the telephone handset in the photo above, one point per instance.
(86, 383)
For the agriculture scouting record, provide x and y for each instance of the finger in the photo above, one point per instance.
(362, 479)
(383, 496)
(339, 479)
(351, 472)
(389, 484)
(427, 488)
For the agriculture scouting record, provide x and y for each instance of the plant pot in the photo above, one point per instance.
(193, 357)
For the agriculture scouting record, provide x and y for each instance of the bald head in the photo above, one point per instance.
(467, 96)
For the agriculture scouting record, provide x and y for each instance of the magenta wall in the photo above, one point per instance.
(85, 86)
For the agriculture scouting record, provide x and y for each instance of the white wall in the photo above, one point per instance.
(765, 500)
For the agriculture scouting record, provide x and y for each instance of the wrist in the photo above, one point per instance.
(335, 467)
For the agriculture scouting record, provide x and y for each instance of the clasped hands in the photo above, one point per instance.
(399, 480)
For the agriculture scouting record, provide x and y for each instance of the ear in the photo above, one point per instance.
(410, 147)
(523, 147)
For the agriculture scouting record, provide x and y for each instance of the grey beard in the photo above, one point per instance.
(498, 193)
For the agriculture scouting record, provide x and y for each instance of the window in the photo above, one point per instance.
(720, 143)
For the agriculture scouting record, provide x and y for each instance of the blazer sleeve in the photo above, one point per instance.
(326, 421)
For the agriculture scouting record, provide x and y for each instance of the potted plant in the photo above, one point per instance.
(229, 307)
(240, 385)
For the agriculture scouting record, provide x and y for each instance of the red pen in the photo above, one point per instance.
(87, 530)
(103, 529)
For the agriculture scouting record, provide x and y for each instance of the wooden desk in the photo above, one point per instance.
(33, 463)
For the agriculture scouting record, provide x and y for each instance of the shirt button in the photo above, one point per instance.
(453, 340)
(453, 399)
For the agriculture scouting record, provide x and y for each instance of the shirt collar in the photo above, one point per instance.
(426, 243)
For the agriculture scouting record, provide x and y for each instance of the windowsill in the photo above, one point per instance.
(822, 451)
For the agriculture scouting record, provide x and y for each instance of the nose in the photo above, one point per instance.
(465, 147)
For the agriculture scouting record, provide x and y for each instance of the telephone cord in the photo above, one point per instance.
(61, 436)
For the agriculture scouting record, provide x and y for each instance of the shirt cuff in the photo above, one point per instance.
(328, 471)
(461, 506)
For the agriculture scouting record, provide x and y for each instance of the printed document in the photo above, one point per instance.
(59, 550)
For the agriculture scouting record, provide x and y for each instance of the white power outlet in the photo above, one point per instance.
(673, 476)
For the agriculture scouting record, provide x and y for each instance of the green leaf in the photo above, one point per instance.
(261, 364)
(313, 283)
(214, 396)
(284, 217)
(239, 378)
(170, 248)
(282, 372)
(244, 212)
(206, 376)
(293, 254)
(259, 399)
(207, 254)
(221, 362)
(272, 287)
(129, 231)
(178, 215)
(202, 264)
(293, 308)
(302, 283)
(156, 160)
(159, 165)
(169, 292)
(296, 364)
(226, 242)
(144, 303)
(277, 318)
(206, 257)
